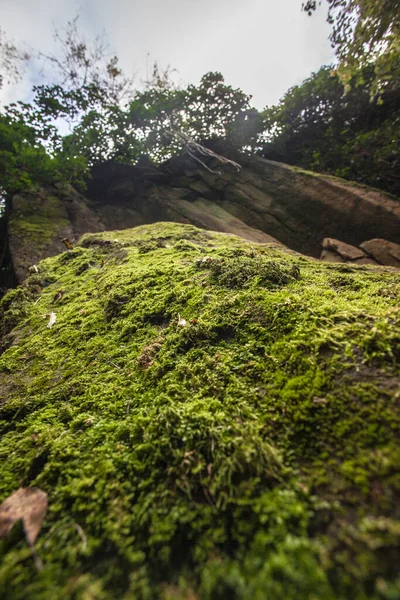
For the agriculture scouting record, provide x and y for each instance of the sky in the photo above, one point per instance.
(261, 46)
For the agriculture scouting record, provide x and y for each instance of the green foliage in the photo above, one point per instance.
(326, 124)
(83, 79)
(102, 129)
(320, 126)
(25, 162)
(104, 134)
(217, 110)
(147, 125)
(366, 32)
(55, 101)
(252, 452)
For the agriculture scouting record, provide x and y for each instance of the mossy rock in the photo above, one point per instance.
(211, 419)
(37, 224)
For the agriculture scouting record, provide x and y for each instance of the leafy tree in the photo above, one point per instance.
(321, 126)
(83, 78)
(24, 159)
(110, 120)
(83, 72)
(147, 125)
(365, 32)
(217, 110)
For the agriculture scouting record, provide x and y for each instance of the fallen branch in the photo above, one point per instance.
(191, 147)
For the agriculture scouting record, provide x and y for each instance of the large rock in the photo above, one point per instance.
(39, 222)
(296, 207)
(264, 201)
(211, 418)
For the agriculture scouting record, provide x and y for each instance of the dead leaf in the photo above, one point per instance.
(28, 504)
(67, 243)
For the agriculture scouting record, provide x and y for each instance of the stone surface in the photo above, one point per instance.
(330, 256)
(264, 201)
(211, 418)
(383, 251)
(39, 222)
(346, 251)
(36, 227)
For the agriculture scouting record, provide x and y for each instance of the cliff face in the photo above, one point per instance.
(264, 201)
(210, 418)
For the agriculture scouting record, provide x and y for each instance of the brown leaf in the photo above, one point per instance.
(28, 504)
(67, 243)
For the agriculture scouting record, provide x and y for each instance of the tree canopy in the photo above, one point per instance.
(364, 33)
(342, 120)
(111, 119)
(321, 126)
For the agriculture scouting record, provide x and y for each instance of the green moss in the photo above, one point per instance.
(349, 183)
(35, 222)
(211, 419)
(237, 272)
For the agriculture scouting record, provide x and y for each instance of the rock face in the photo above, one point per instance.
(263, 202)
(210, 418)
(39, 222)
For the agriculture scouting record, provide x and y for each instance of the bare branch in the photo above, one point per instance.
(12, 60)
(191, 147)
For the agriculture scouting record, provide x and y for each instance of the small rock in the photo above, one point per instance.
(344, 250)
(385, 252)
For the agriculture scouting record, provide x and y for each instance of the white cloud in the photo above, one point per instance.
(261, 46)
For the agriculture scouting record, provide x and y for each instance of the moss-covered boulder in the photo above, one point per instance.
(262, 202)
(39, 220)
(210, 418)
